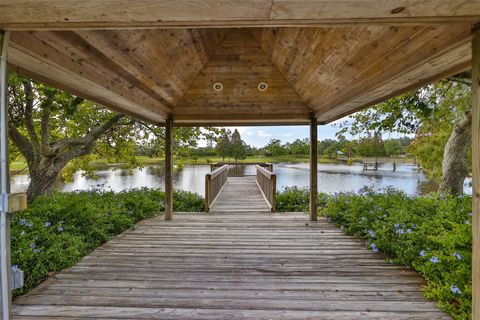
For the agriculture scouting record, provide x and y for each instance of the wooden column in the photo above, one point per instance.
(476, 174)
(5, 217)
(168, 168)
(313, 168)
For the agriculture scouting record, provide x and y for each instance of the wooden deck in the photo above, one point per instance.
(236, 262)
(251, 198)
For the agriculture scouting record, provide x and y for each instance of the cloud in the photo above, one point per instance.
(263, 134)
(287, 135)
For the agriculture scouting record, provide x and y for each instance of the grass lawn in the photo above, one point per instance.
(145, 160)
(287, 158)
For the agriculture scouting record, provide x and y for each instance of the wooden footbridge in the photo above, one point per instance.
(230, 63)
(239, 261)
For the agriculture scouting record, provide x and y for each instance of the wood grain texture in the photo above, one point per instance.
(476, 174)
(313, 169)
(240, 65)
(149, 73)
(94, 14)
(337, 71)
(231, 265)
(240, 194)
(169, 168)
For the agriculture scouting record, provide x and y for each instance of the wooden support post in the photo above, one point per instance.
(5, 216)
(313, 168)
(476, 174)
(168, 168)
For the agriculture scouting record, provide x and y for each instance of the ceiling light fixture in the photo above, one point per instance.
(262, 86)
(217, 86)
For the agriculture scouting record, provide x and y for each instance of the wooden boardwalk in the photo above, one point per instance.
(229, 264)
(240, 194)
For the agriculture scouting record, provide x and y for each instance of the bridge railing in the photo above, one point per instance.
(214, 182)
(267, 181)
(237, 169)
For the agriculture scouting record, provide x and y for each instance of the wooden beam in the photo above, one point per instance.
(5, 216)
(168, 168)
(476, 174)
(64, 58)
(102, 14)
(313, 168)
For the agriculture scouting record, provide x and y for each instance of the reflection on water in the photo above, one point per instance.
(331, 178)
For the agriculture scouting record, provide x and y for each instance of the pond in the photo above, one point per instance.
(331, 178)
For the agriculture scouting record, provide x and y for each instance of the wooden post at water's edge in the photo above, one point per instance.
(168, 168)
(476, 173)
(313, 168)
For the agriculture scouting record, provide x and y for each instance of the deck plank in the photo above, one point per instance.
(231, 264)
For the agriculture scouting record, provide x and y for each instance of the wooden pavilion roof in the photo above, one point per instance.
(152, 58)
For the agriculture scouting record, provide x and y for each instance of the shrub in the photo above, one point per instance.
(431, 234)
(295, 199)
(58, 230)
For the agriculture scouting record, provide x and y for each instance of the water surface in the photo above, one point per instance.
(331, 178)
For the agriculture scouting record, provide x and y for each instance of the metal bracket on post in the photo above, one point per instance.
(4, 202)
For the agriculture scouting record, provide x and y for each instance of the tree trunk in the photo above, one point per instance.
(42, 178)
(454, 164)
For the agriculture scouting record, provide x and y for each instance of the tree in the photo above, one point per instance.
(299, 147)
(223, 146)
(238, 149)
(274, 148)
(57, 132)
(439, 115)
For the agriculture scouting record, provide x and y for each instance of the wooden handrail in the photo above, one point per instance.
(236, 169)
(214, 182)
(267, 181)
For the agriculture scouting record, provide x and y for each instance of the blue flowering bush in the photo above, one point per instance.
(57, 231)
(295, 199)
(432, 234)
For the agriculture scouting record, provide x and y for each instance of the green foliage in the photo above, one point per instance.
(430, 113)
(224, 145)
(431, 234)
(57, 132)
(56, 231)
(231, 145)
(238, 147)
(295, 199)
(275, 148)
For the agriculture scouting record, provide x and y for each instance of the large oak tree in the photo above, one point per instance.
(58, 132)
(439, 115)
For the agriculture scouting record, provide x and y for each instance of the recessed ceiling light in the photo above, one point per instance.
(262, 86)
(217, 86)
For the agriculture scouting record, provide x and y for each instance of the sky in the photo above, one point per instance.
(261, 135)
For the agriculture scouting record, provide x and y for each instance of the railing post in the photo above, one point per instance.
(274, 193)
(5, 269)
(313, 167)
(476, 174)
(208, 181)
(168, 168)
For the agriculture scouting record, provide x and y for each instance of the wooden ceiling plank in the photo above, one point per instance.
(98, 14)
(89, 56)
(121, 52)
(408, 57)
(79, 67)
(389, 92)
(46, 72)
(240, 64)
(312, 9)
(369, 49)
(441, 67)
